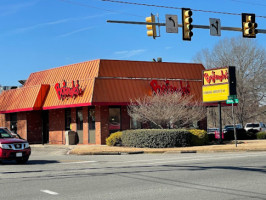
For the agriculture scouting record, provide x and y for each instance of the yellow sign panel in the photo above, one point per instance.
(216, 76)
(215, 93)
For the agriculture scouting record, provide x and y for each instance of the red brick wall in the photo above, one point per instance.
(57, 126)
(2, 120)
(34, 126)
(85, 125)
(22, 124)
(125, 119)
(101, 124)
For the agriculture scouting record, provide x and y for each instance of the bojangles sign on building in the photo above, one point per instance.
(167, 88)
(67, 92)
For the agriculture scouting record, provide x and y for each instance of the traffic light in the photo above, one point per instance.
(151, 28)
(186, 24)
(249, 25)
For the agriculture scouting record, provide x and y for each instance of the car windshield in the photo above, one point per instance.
(5, 134)
(253, 125)
(229, 126)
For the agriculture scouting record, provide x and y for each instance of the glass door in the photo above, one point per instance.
(80, 125)
(114, 119)
(92, 125)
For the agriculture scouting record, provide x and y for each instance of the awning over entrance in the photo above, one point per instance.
(23, 99)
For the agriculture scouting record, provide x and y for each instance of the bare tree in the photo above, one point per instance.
(167, 110)
(250, 62)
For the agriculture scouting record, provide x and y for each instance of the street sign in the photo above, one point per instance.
(230, 101)
(232, 97)
(215, 27)
(171, 23)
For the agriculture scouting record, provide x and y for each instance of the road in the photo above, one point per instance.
(54, 175)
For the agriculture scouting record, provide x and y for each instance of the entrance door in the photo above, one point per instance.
(80, 125)
(92, 125)
(45, 126)
(114, 119)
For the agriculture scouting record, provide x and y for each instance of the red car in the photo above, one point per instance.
(13, 148)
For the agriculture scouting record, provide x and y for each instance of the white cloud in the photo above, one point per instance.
(168, 48)
(51, 23)
(76, 31)
(129, 53)
(14, 8)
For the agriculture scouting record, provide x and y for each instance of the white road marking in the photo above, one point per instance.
(79, 162)
(49, 192)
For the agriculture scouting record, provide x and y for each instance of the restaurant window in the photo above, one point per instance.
(13, 122)
(134, 124)
(114, 119)
(67, 119)
(79, 119)
(92, 125)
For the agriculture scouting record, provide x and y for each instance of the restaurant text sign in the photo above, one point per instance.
(167, 88)
(65, 92)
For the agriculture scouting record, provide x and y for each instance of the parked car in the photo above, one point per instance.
(230, 127)
(258, 126)
(12, 133)
(212, 130)
(13, 148)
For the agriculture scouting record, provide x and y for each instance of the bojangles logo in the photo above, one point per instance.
(66, 92)
(167, 88)
(215, 78)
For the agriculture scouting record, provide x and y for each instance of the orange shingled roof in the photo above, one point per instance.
(23, 99)
(80, 71)
(121, 91)
(137, 69)
(102, 81)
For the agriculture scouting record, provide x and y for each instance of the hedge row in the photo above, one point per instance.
(158, 138)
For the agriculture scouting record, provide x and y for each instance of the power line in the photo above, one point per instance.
(170, 7)
(94, 7)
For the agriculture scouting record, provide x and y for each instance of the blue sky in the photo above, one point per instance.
(42, 34)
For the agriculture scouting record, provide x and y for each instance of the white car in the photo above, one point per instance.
(259, 126)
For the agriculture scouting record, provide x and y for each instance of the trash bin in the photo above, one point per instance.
(71, 137)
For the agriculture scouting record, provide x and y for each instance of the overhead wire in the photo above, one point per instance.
(171, 7)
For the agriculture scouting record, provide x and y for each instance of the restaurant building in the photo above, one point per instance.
(91, 98)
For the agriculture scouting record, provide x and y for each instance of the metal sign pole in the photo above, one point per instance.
(234, 124)
(220, 122)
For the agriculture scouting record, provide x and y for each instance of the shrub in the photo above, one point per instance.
(156, 138)
(114, 139)
(199, 137)
(261, 135)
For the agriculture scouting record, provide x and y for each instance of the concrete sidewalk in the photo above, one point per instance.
(243, 145)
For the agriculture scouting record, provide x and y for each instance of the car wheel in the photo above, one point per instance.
(23, 160)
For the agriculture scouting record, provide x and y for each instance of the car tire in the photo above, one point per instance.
(23, 160)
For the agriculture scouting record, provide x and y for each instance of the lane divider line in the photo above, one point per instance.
(49, 192)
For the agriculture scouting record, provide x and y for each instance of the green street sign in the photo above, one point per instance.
(230, 101)
(232, 97)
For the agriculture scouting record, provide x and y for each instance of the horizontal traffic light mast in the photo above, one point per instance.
(180, 25)
(249, 26)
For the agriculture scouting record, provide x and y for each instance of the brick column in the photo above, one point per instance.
(22, 124)
(125, 118)
(101, 124)
(85, 125)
